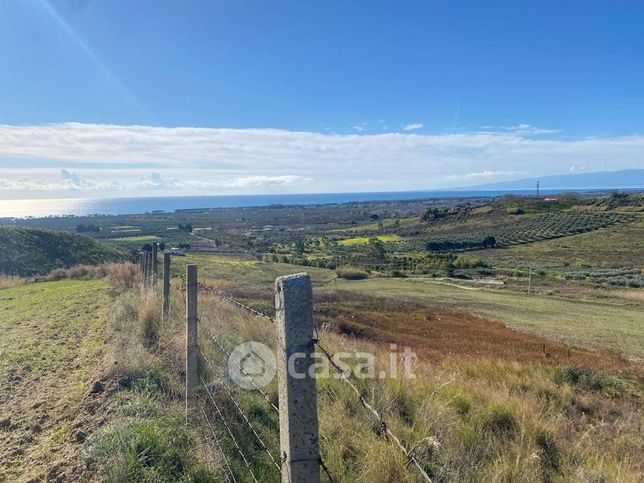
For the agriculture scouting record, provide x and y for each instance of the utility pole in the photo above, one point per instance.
(538, 184)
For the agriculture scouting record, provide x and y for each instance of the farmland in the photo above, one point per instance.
(511, 386)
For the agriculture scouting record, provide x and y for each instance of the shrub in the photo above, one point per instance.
(7, 281)
(468, 261)
(586, 380)
(350, 273)
(123, 276)
(500, 420)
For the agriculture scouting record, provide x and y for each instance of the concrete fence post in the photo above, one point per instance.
(191, 333)
(166, 285)
(299, 439)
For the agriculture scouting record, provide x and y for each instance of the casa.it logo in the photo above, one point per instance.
(252, 365)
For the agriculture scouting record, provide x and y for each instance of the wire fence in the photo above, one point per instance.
(409, 454)
(272, 459)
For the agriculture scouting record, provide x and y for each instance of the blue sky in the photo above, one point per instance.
(297, 96)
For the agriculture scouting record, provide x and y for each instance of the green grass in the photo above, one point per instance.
(53, 336)
(363, 240)
(28, 251)
(244, 273)
(613, 326)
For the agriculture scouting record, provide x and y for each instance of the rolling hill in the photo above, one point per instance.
(28, 251)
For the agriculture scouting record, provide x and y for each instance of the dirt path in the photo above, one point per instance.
(51, 340)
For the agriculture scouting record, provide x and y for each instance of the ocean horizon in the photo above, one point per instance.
(140, 205)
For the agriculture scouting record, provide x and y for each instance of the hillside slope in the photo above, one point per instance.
(28, 251)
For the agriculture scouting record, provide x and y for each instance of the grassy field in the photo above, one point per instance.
(616, 326)
(52, 339)
(246, 274)
(469, 419)
(487, 404)
(363, 240)
(613, 324)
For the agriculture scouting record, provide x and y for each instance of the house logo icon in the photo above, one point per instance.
(252, 365)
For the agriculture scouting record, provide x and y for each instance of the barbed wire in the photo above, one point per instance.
(326, 470)
(408, 454)
(243, 414)
(383, 423)
(223, 295)
(225, 351)
(230, 433)
(229, 474)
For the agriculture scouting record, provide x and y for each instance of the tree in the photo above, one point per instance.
(376, 248)
(299, 246)
(162, 246)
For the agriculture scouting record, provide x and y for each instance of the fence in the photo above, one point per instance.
(299, 459)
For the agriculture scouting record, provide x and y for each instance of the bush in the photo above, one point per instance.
(123, 276)
(350, 273)
(586, 380)
(467, 261)
(7, 281)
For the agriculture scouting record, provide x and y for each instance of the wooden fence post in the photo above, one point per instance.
(149, 270)
(166, 285)
(299, 438)
(144, 274)
(155, 262)
(191, 333)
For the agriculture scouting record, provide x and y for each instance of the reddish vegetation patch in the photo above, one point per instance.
(437, 334)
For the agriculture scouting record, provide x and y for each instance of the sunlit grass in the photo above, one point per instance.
(362, 240)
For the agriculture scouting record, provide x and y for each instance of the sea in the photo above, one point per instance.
(121, 206)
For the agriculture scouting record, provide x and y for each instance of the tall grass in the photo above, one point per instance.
(8, 281)
(351, 273)
(146, 438)
(474, 420)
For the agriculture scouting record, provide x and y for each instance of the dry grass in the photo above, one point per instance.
(122, 276)
(149, 320)
(350, 273)
(439, 334)
(7, 281)
(483, 413)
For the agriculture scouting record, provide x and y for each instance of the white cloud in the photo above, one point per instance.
(412, 127)
(111, 158)
(485, 175)
(527, 129)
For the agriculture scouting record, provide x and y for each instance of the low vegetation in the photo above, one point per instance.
(28, 251)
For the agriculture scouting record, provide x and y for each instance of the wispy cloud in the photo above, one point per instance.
(191, 160)
(412, 127)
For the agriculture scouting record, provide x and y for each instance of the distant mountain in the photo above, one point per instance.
(627, 178)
